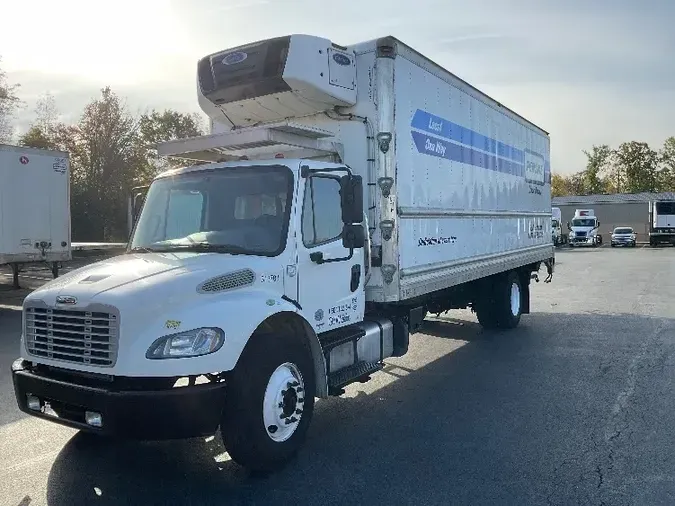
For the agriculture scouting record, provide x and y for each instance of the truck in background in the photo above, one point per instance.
(584, 229)
(35, 207)
(557, 235)
(273, 274)
(661, 222)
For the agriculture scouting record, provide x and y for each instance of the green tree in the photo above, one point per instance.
(9, 103)
(105, 155)
(559, 185)
(638, 165)
(156, 127)
(598, 164)
(666, 173)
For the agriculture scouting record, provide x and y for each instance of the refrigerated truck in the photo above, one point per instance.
(34, 207)
(661, 222)
(347, 191)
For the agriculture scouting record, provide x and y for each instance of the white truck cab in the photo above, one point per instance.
(296, 253)
(584, 229)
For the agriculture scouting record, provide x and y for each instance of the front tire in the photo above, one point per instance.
(502, 308)
(270, 402)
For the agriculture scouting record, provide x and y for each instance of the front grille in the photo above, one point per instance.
(84, 337)
(581, 234)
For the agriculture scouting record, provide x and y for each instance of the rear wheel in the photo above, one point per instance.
(270, 402)
(502, 307)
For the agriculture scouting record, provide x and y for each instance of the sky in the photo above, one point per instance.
(599, 72)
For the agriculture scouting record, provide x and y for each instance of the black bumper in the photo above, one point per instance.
(169, 413)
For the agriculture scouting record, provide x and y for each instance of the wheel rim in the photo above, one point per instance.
(515, 299)
(283, 402)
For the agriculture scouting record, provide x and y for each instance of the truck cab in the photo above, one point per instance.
(584, 229)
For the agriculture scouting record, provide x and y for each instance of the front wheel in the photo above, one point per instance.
(270, 402)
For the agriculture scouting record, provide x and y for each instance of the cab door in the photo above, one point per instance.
(331, 278)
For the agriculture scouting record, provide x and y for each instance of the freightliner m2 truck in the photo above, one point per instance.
(343, 193)
(584, 229)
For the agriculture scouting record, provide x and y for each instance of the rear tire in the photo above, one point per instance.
(270, 402)
(502, 308)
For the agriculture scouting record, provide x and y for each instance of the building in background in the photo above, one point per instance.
(619, 209)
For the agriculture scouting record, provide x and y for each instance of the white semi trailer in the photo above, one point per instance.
(661, 222)
(34, 207)
(348, 192)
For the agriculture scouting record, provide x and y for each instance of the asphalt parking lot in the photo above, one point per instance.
(573, 407)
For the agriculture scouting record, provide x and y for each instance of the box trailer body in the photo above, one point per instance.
(35, 205)
(661, 222)
(392, 189)
(557, 235)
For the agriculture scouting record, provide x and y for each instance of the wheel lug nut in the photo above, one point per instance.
(298, 411)
(299, 389)
(272, 429)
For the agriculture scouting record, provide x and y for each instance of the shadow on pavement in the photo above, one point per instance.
(517, 417)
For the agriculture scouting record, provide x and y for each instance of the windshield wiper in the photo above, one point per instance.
(204, 247)
(141, 249)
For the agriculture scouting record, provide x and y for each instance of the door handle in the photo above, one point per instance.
(356, 277)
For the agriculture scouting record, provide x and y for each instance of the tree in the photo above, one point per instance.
(638, 164)
(43, 131)
(168, 125)
(559, 185)
(9, 102)
(598, 164)
(105, 155)
(666, 173)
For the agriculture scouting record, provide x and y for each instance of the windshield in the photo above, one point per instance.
(583, 222)
(623, 230)
(232, 210)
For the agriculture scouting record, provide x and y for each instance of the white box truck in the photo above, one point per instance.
(584, 229)
(661, 222)
(348, 192)
(558, 237)
(35, 207)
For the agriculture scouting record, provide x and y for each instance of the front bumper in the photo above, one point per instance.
(624, 242)
(130, 411)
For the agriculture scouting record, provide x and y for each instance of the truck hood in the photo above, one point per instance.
(139, 273)
(583, 229)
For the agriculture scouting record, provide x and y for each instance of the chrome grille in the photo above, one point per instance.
(85, 337)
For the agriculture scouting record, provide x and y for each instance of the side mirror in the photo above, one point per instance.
(351, 195)
(353, 236)
(568, 226)
(598, 223)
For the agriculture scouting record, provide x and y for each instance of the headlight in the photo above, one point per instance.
(192, 343)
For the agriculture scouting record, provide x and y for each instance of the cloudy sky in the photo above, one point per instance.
(588, 72)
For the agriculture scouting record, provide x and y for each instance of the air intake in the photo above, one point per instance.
(225, 282)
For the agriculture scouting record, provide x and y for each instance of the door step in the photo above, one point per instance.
(360, 371)
(334, 338)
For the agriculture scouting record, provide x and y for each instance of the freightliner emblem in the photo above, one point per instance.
(66, 299)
